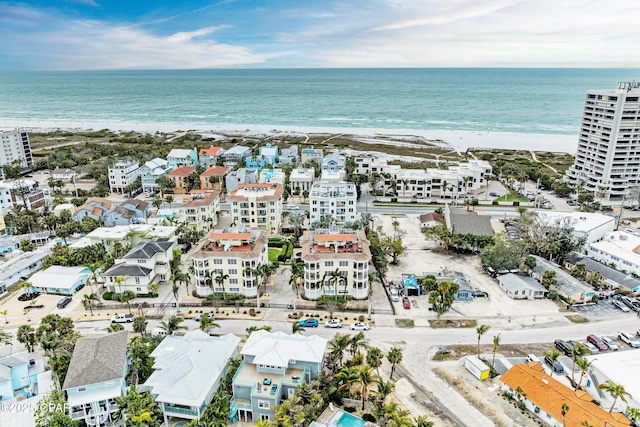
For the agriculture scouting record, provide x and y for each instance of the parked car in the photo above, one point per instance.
(394, 295)
(209, 315)
(64, 302)
(481, 294)
(333, 323)
(557, 366)
(184, 248)
(360, 326)
(406, 303)
(563, 346)
(310, 322)
(609, 342)
(292, 207)
(620, 305)
(122, 318)
(597, 341)
(631, 302)
(629, 339)
(494, 194)
(592, 348)
(533, 358)
(80, 287)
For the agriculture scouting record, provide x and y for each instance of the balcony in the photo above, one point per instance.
(182, 412)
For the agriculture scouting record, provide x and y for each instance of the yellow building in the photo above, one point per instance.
(257, 206)
(201, 211)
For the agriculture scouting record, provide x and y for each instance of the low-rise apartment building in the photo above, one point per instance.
(618, 249)
(257, 206)
(327, 251)
(274, 365)
(22, 192)
(311, 155)
(234, 252)
(337, 199)
(201, 211)
(122, 174)
(213, 178)
(301, 179)
(179, 177)
(208, 157)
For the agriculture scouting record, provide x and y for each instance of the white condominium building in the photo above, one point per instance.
(234, 252)
(607, 162)
(122, 174)
(335, 198)
(15, 146)
(343, 250)
(23, 192)
(618, 250)
(257, 206)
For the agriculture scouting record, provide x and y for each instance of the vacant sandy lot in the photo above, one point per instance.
(424, 256)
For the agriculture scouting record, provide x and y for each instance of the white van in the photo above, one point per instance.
(629, 338)
(158, 332)
(533, 358)
(394, 295)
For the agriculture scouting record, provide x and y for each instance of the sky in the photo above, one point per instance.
(159, 34)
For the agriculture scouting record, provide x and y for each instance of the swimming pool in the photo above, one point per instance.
(344, 419)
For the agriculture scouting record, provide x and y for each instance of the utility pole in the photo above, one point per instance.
(624, 198)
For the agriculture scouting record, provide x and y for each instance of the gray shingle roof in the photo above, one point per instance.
(605, 271)
(128, 270)
(96, 360)
(146, 250)
(468, 222)
(516, 282)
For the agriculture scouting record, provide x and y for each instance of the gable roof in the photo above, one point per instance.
(549, 394)
(605, 271)
(98, 359)
(182, 171)
(187, 367)
(98, 201)
(516, 282)
(278, 348)
(123, 269)
(432, 216)
(469, 222)
(146, 250)
(138, 204)
(124, 212)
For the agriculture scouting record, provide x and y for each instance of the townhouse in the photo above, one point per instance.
(123, 173)
(151, 171)
(180, 179)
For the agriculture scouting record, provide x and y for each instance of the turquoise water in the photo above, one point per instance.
(495, 100)
(346, 420)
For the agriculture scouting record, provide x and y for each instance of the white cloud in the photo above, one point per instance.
(187, 36)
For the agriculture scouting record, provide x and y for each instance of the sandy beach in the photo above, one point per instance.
(457, 139)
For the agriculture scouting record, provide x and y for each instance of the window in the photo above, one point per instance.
(344, 263)
(142, 261)
(137, 280)
(233, 282)
(328, 263)
(233, 261)
(233, 271)
(217, 261)
(82, 389)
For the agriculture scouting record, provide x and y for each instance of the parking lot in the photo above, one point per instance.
(603, 309)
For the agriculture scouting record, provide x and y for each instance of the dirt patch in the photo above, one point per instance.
(473, 396)
(576, 318)
(462, 323)
(404, 323)
(455, 352)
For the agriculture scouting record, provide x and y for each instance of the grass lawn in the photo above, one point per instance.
(273, 254)
(511, 197)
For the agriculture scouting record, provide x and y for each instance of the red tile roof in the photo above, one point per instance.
(182, 171)
(215, 171)
(211, 151)
(334, 237)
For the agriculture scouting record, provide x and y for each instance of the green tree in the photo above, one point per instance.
(172, 325)
(365, 378)
(297, 328)
(616, 390)
(220, 279)
(115, 327)
(549, 279)
(481, 330)
(50, 411)
(443, 297)
(57, 337)
(135, 406)
(374, 358)
(553, 354)
(89, 300)
(584, 365)
(563, 411)
(394, 357)
(126, 297)
(422, 421)
(207, 323)
(579, 271)
(394, 248)
(576, 351)
(5, 338)
(496, 344)
(338, 345)
(140, 325)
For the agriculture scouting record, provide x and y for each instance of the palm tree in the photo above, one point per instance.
(88, 301)
(549, 279)
(496, 344)
(481, 330)
(5, 313)
(297, 328)
(616, 390)
(297, 274)
(26, 286)
(394, 357)
(422, 421)
(338, 344)
(207, 323)
(347, 376)
(563, 411)
(140, 325)
(172, 325)
(553, 354)
(519, 393)
(257, 273)
(385, 388)
(365, 377)
(119, 280)
(584, 365)
(576, 351)
(219, 279)
(333, 278)
(374, 358)
(95, 268)
(633, 414)
(358, 341)
(126, 297)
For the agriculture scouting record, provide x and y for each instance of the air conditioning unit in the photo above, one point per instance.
(32, 362)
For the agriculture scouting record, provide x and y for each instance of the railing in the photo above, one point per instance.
(182, 411)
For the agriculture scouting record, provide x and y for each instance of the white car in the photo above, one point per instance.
(360, 326)
(333, 323)
(592, 348)
(123, 318)
(211, 316)
(292, 207)
(609, 342)
(629, 338)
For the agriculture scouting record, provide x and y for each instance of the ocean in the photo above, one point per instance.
(507, 100)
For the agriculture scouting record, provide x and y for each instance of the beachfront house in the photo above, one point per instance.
(208, 157)
(60, 280)
(151, 171)
(274, 365)
(289, 155)
(187, 372)
(96, 377)
(269, 153)
(333, 167)
(311, 155)
(182, 157)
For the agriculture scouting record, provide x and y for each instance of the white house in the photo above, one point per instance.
(122, 174)
(187, 372)
(151, 171)
(22, 192)
(593, 226)
(521, 287)
(21, 267)
(619, 250)
(335, 198)
(64, 174)
(60, 280)
(301, 179)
